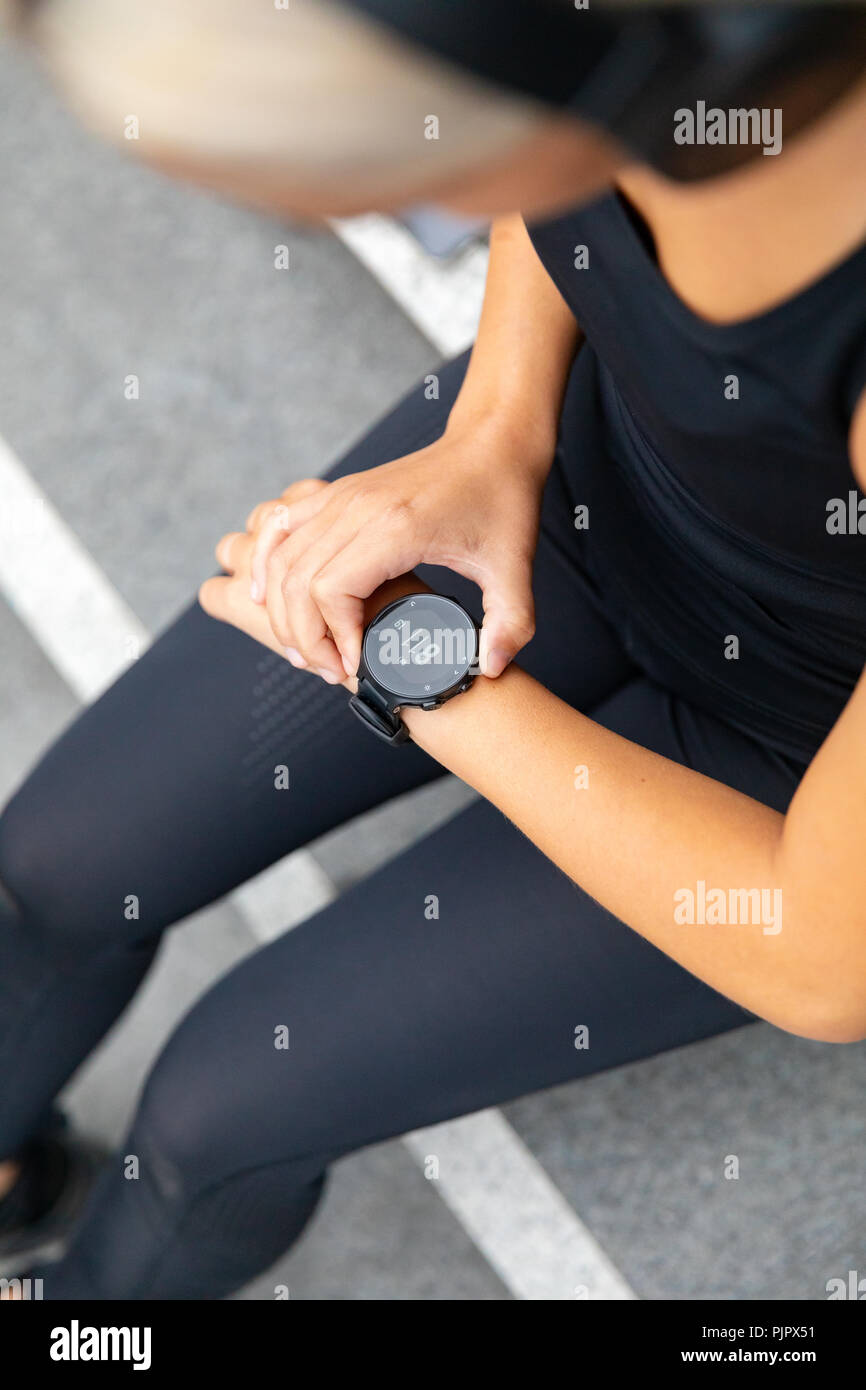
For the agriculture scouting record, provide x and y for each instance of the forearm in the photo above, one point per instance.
(526, 342)
(642, 834)
(635, 830)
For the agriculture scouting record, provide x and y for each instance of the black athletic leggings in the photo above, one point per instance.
(165, 789)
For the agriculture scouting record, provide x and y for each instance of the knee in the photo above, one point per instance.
(217, 1102)
(175, 1124)
(58, 871)
(23, 868)
(188, 1132)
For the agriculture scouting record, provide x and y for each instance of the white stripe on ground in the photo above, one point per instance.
(499, 1192)
(442, 299)
(514, 1213)
(81, 623)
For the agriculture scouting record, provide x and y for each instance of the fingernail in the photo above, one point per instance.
(330, 676)
(495, 662)
(295, 658)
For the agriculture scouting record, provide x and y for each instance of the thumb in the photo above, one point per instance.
(509, 616)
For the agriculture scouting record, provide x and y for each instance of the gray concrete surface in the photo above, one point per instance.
(249, 378)
(643, 1152)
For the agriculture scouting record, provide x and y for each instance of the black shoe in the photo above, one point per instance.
(57, 1173)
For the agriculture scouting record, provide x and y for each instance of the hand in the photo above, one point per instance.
(470, 501)
(227, 597)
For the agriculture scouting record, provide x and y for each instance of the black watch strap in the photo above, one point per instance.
(371, 709)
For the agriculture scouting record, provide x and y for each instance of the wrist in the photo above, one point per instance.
(445, 732)
(419, 650)
(507, 429)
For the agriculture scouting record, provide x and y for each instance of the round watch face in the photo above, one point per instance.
(420, 646)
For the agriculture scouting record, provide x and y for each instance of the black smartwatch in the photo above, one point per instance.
(420, 650)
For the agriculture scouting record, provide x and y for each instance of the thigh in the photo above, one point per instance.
(455, 978)
(210, 759)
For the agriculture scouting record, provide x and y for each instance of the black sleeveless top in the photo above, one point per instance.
(716, 470)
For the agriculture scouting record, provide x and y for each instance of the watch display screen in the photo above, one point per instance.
(420, 646)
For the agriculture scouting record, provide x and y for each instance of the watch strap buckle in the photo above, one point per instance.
(386, 725)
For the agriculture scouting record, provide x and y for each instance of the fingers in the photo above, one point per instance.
(509, 614)
(340, 587)
(291, 594)
(343, 614)
(305, 487)
(271, 533)
(309, 572)
(228, 600)
(325, 572)
(228, 550)
(260, 512)
(297, 507)
(228, 597)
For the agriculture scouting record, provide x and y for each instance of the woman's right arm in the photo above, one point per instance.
(527, 339)
(470, 501)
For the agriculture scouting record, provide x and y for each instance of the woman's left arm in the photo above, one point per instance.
(640, 833)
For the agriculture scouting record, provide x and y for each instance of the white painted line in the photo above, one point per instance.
(517, 1217)
(79, 620)
(442, 299)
